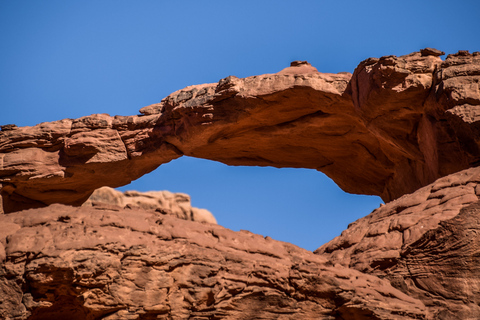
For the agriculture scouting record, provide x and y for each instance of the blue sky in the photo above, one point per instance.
(67, 59)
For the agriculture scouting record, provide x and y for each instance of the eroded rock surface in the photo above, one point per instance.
(164, 202)
(63, 262)
(397, 124)
(426, 244)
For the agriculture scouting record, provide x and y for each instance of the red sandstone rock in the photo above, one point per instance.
(397, 124)
(425, 243)
(164, 202)
(62, 262)
(442, 267)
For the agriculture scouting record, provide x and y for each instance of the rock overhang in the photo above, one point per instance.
(395, 125)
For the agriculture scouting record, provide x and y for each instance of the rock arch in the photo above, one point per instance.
(395, 125)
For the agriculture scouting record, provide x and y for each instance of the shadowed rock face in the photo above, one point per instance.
(397, 124)
(63, 262)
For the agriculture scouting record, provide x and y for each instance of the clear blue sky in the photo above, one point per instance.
(67, 59)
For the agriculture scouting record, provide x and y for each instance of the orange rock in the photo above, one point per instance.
(397, 124)
(164, 202)
(63, 262)
(394, 126)
(424, 243)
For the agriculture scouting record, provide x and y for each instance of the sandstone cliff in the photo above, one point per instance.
(404, 128)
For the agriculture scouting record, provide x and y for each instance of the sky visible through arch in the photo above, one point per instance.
(68, 59)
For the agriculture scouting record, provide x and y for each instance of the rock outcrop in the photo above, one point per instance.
(82, 263)
(426, 244)
(413, 258)
(164, 202)
(397, 124)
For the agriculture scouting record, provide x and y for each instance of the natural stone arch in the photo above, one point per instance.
(397, 124)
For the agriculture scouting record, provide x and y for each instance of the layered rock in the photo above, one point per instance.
(164, 202)
(413, 258)
(396, 125)
(63, 262)
(65, 161)
(426, 244)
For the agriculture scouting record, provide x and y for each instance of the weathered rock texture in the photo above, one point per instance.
(426, 244)
(164, 202)
(397, 124)
(414, 258)
(72, 263)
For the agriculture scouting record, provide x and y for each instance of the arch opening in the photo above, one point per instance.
(300, 206)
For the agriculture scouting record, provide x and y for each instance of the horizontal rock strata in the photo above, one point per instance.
(395, 125)
(72, 263)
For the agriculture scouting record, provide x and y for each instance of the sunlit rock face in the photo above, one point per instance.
(404, 128)
(426, 244)
(164, 202)
(63, 262)
(395, 125)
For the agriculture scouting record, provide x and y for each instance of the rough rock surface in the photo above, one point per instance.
(426, 244)
(63, 262)
(164, 202)
(395, 125)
